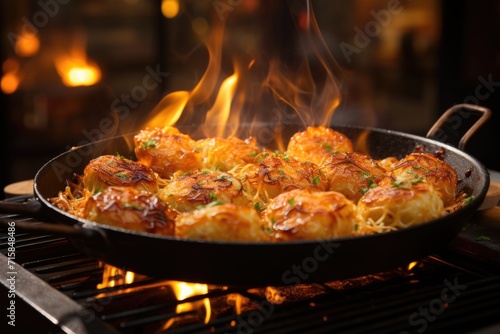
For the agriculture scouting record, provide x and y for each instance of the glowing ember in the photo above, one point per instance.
(274, 296)
(412, 265)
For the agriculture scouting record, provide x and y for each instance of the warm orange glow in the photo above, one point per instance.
(183, 290)
(113, 276)
(412, 265)
(169, 109)
(266, 89)
(273, 295)
(200, 26)
(27, 45)
(9, 83)
(236, 300)
(218, 115)
(170, 8)
(75, 69)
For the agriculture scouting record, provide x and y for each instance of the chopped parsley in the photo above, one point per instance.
(262, 156)
(133, 206)
(417, 180)
(467, 200)
(483, 238)
(267, 229)
(212, 195)
(328, 148)
(291, 201)
(122, 176)
(148, 143)
(365, 175)
(315, 180)
(223, 178)
(397, 184)
(257, 206)
(120, 156)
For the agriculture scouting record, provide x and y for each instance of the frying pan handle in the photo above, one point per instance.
(36, 227)
(28, 208)
(448, 125)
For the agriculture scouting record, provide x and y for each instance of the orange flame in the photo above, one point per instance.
(223, 104)
(113, 276)
(184, 290)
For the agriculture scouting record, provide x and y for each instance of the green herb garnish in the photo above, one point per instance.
(148, 143)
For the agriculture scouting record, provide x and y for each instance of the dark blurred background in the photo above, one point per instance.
(66, 64)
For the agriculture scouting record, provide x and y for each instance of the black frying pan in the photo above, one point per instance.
(239, 263)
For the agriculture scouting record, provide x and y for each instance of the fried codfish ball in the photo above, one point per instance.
(227, 222)
(388, 163)
(275, 174)
(352, 174)
(109, 170)
(401, 205)
(131, 209)
(166, 151)
(188, 191)
(316, 144)
(426, 166)
(301, 215)
(226, 153)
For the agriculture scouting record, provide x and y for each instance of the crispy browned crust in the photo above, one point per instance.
(301, 214)
(192, 190)
(431, 169)
(131, 209)
(166, 151)
(109, 170)
(276, 174)
(352, 174)
(316, 144)
(226, 222)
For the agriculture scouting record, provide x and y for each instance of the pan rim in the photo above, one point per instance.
(470, 207)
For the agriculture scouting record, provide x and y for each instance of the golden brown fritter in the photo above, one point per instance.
(426, 166)
(352, 174)
(401, 205)
(166, 151)
(225, 222)
(275, 174)
(130, 209)
(302, 215)
(191, 190)
(226, 153)
(316, 144)
(109, 170)
(388, 163)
